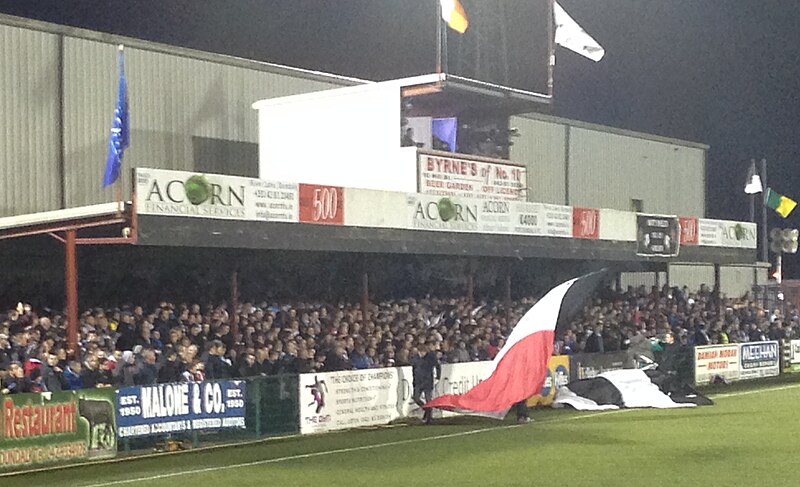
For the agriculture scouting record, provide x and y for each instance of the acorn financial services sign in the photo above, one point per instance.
(177, 193)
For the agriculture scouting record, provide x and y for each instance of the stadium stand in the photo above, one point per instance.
(189, 342)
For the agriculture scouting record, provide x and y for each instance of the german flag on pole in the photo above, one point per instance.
(454, 14)
(780, 203)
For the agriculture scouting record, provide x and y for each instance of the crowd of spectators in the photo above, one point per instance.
(189, 342)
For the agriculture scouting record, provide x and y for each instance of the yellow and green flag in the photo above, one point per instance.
(783, 205)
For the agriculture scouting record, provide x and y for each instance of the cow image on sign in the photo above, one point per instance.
(100, 416)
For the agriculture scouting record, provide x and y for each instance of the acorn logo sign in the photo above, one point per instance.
(447, 209)
(197, 189)
(443, 214)
(196, 196)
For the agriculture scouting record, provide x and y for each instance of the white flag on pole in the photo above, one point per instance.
(570, 35)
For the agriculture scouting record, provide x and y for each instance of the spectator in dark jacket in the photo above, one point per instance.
(91, 375)
(125, 370)
(700, 336)
(72, 376)
(217, 366)
(171, 370)
(148, 371)
(248, 366)
(127, 333)
(15, 382)
(594, 342)
(337, 359)
(52, 375)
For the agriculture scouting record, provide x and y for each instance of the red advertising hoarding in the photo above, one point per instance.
(321, 204)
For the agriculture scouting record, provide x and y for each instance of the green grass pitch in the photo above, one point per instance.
(750, 437)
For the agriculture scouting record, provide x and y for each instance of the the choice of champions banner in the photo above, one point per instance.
(179, 408)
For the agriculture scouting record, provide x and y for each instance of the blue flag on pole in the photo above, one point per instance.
(120, 128)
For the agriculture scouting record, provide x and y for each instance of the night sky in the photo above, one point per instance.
(724, 73)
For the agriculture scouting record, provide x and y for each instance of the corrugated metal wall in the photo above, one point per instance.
(172, 98)
(735, 281)
(541, 147)
(646, 279)
(668, 178)
(29, 122)
(175, 97)
(692, 276)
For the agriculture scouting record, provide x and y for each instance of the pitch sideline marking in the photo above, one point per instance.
(394, 443)
(300, 456)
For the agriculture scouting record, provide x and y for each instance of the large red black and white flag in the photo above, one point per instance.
(520, 368)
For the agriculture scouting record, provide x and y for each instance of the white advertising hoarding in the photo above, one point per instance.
(716, 360)
(444, 174)
(456, 214)
(178, 193)
(725, 233)
(332, 401)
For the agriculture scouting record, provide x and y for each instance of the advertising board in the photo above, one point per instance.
(759, 359)
(193, 195)
(449, 175)
(557, 376)
(716, 360)
(184, 407)
(37, 429)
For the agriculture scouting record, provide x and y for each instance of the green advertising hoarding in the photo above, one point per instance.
(37, 429)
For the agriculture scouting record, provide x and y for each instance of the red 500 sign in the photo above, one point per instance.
(321, 204)
(586, 223)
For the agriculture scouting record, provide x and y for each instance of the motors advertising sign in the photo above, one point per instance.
(179, 408)
(716, 360)
(50, 427)
(657, 235)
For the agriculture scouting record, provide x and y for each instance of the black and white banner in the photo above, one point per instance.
(628, 388)
(657, 235)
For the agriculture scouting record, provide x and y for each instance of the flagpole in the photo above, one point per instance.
(765, 185)
(439, 22)
(752, 196)
(551, 50)
(118, 182)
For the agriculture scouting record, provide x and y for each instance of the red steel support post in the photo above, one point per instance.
(71, 283)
